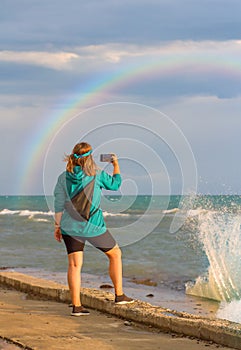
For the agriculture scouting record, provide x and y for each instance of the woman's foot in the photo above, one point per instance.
(79, 311)
(123, 299)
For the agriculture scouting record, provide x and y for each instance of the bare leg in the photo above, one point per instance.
(74, 270)
(115, 268)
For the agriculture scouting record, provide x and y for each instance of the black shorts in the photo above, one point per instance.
(104, 242)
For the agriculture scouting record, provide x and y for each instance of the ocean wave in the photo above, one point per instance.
(32, 213)
(29, 213)
(8, 212)
(187, 212)
(171, 211)
(106, 213)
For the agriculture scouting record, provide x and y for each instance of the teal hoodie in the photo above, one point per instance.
(68, 185)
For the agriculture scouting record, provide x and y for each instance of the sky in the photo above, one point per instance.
(156, 81)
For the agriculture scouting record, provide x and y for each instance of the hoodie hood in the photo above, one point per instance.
(76, 181)
(76, 177)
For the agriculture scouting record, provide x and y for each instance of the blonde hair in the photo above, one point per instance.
(87, 163)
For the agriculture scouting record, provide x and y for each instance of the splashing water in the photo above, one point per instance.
(220, 235)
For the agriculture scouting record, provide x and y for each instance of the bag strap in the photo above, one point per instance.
(72, 209)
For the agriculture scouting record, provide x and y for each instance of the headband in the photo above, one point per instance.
(77, 156)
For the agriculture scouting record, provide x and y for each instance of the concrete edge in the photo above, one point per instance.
(15, 342)
(222, 332)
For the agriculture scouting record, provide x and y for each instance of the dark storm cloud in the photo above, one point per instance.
(36, 24)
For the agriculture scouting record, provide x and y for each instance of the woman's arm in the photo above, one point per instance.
(113, 182)
(57, 230)
(116, 168)
(59, 201)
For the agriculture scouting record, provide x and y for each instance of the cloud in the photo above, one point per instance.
(53, 60)
(37, 25)
(116, 53)
(156, 72)
(169, 69)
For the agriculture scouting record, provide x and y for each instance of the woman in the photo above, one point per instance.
(81, 171)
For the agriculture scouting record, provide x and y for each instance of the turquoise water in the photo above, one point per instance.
(202, 257)
(27, 241)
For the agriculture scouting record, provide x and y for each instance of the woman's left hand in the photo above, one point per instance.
(58, 234)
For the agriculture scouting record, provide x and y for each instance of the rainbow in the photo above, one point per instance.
(96, 90)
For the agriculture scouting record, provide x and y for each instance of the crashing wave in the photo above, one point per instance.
(220, 236)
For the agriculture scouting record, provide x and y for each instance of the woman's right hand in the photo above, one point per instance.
(115, 163)
(114, 159)
(58, 234)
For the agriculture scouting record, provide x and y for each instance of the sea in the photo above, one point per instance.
(179, 252)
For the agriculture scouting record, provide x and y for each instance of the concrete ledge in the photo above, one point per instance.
(219, 331)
